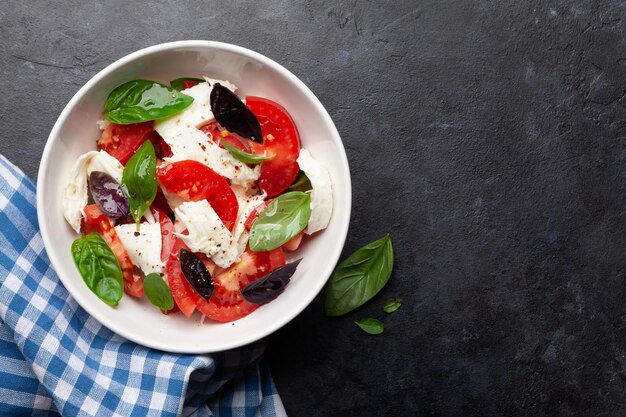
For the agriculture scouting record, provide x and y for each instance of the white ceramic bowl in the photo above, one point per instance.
(75, 132)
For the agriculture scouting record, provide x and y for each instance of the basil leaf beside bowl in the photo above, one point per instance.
(179, 83)
(286, 216)
(139, 180)
(245, 157)
(143, 100)
(392, 305)
(371, 326)
(360, 277)
(157, 291)
(99, 268)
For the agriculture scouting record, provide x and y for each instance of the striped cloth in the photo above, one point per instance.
(57, 360)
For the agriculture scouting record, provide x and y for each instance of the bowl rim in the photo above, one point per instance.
(341, 232)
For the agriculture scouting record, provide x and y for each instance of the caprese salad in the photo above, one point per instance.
(192, 198)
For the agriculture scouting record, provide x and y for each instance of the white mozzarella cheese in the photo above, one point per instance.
(247, 203)
(193, 144)
(75, 194)
(206, 232)
(143, 247)
(194, 116)
(321, 194)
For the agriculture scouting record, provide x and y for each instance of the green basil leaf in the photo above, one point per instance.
(158, 292)
(99, 268)
(139, 180)
(371, 326)
(286, 216)
(245, 157)
(179, 83)
(360, 277)
(302, 183)
(142, 100)
(392, 305)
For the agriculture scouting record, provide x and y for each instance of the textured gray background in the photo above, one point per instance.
(486, 136)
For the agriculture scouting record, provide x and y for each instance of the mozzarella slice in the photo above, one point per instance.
(104, 162)
(143, 247)
(75, 194)
(247, 204)
(207, 233)
(194, 116)
(193, 144)
(322, 193)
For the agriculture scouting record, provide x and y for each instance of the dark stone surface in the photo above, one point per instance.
(486, 136)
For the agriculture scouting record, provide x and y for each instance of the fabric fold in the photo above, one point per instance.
(56, 359)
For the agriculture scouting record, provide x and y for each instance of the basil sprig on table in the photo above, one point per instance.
(179, 83)
(245, 157)
(99, 268)
(143, 100)
(360, 277)
(286, 216)
(371, 326)
(157, 291)
(139, 180)
(392, 305)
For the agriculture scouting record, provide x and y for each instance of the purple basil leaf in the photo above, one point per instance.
(108, 195)
(196, 273)
(271, 285)
(232, 113)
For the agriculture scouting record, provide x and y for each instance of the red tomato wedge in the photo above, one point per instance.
(193, 181)
(227, 303)
(280, 138)
(121, 141)
(185, 297)
(216, 135)
(294, 243)
(160, 203)
(168, 238)
(255, 213)
(188, 84)
(96, 222)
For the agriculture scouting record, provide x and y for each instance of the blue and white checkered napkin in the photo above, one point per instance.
(56, 359)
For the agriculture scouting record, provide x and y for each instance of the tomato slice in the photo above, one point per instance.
(194, 181)
(280, 138)
(161, 148)
(255, 213)
(168, 238)
(160, 202)
(96, 222)
(227, 303)
(217, 135)
(188, 84)
(185, 297)
(294, 243)
(121, 141)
